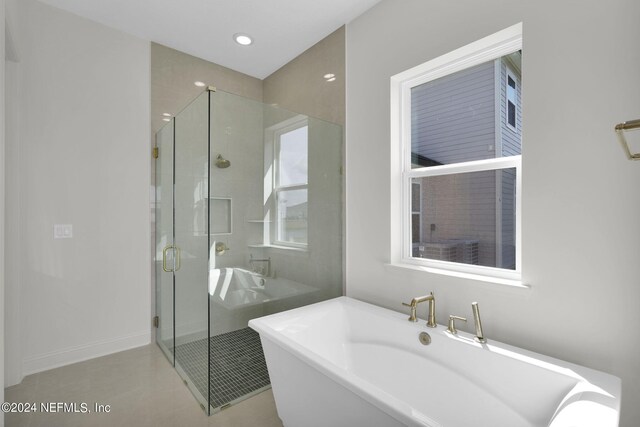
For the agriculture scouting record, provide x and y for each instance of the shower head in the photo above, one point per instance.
(221, 162)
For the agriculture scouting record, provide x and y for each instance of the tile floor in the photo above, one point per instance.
(142, 388)
(237, 364)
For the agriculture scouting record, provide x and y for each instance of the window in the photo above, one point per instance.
(416, 211)
(455, 168)
(291, 183)
(511, 101)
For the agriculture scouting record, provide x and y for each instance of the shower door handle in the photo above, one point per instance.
(176, 258)
(164, 259)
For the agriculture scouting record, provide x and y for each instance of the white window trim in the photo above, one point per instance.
(515, 101)
(489, 48)
(278, 130)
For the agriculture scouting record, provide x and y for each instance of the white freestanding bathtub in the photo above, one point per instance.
(344, 362)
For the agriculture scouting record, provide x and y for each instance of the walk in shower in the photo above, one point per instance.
(248, 223)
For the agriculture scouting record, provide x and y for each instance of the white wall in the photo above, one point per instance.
(82, 159)
(2, 186)
(580, 194)
(11, 318)
(12, 258)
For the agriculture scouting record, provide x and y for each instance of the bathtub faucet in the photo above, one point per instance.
(431, 318)
(476, 317)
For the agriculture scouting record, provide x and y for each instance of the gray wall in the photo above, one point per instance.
(300, 86)
(238, 133)
(2, 184)
(173, 74)
(579, 256)
(11, 276)
(80, 156)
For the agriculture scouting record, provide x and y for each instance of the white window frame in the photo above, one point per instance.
(509, 74)
(279, 130)
(487, 49)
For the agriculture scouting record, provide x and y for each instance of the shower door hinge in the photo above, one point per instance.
(156, 321)
(156, 152)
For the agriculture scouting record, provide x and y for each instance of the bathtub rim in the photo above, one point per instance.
(386, 402)
(303, 289)
(396, 407)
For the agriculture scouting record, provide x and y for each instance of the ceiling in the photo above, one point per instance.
(281, 29)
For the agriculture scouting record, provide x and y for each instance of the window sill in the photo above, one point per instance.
(513, 284)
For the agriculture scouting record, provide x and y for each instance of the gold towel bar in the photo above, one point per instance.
(620, 128)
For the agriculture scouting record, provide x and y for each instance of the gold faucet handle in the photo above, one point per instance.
(452, 323)
(412, 317)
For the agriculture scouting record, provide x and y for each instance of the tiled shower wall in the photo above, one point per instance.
(298, 86)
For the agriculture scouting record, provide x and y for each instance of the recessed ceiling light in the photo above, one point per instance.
(243, 39)
(328, 76)
(200, 84)
(166, 119)
(332, 79)
(166, 114)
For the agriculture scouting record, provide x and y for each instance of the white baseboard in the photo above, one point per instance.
(12, 378)
(67, 356)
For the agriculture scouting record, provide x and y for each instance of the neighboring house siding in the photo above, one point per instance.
(453, 120)
(453, 117)
(511, 141)
(511, 146)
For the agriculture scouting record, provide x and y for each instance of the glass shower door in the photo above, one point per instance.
(227, 250)
(164, 264)
(191, 211)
